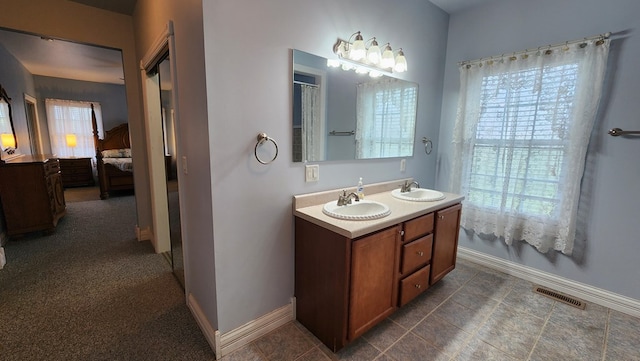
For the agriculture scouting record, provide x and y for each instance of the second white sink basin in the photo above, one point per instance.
(418, 195)
(363, 210)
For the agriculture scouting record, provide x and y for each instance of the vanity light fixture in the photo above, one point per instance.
(368, 60)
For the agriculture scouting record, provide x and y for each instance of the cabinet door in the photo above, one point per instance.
(445, 242)
(374, 280)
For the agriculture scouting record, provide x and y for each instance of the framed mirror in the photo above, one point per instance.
(343, 115)
(7, 131)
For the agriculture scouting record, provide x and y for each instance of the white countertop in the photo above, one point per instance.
(401, 210)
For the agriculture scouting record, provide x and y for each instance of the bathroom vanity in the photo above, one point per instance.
(350, 275)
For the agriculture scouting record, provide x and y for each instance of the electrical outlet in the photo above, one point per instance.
(311, 173)
(403, 165)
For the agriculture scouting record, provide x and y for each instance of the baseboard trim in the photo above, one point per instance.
(224, 344)
(252, 330)
(144, 234)
(212, 335)
(583, 291)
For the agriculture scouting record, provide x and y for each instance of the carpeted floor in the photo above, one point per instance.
(90, 291)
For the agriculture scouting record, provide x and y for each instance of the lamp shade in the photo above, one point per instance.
(8, 141)
(72, 141)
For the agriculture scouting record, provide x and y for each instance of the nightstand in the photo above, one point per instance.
(76, 172)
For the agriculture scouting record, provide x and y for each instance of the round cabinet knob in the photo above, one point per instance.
(402, 233)
(418, 286)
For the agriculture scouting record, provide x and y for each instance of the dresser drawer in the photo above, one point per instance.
(416, 254)
(414, 285)
(418, 227)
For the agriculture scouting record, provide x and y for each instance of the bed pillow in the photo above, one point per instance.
(116, 153)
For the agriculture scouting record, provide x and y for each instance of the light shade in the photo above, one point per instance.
(401, 62)
(72, 141)
(357, 51)
(8, 141)
(373, 53)
(387, 60)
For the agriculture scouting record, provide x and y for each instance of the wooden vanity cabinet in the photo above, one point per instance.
(445, 245)
(31, 193)
(344, 286)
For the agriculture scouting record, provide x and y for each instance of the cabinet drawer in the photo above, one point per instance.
(414, 285)
(418, 227)
(416, 254)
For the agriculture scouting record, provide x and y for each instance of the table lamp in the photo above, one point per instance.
(72, 142)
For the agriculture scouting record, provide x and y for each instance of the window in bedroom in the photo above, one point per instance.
(520, 141)
(72, 118)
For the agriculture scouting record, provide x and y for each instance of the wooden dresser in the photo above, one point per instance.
(31, 193)
(76, 172)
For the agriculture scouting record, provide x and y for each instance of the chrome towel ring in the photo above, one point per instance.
(263, 137)
(428, 145)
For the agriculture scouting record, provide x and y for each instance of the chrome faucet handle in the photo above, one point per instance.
(343, 199)
(406, 187)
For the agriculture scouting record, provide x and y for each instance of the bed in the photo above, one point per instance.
(113, 159)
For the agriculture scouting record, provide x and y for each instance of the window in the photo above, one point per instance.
(72, 117)
(386, 116)
(520, 142)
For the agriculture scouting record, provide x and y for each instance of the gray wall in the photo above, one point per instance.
(112, 97)
(17, 81)
(249, 91)
(607, 257)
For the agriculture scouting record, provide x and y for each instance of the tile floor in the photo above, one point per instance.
(474, 313)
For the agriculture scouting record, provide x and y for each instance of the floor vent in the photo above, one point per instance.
(560, 297)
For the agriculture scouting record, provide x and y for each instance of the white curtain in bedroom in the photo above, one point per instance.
(72, 117)
(520, 141)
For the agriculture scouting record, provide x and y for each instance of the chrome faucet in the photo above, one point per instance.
(345, 198)
(406, 187)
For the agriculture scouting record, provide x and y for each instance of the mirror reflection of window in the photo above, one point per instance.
(386, 128)
(386, 115)
(7, 138)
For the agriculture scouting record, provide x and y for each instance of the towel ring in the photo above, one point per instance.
(263, 137)
(428, 145)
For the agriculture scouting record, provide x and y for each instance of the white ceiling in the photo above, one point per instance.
(64, 59)
(453, 6)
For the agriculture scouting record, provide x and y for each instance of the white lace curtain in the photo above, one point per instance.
(520, 141)
(312, 132)
(385, 119)
(72, 117)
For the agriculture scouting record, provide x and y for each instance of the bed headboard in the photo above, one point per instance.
(116, 138)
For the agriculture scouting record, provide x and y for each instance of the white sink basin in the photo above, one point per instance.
(418, 195)
(363, 210)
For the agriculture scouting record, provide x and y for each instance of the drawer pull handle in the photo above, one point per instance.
(418, 286)
(420, 253)
(441, 217)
